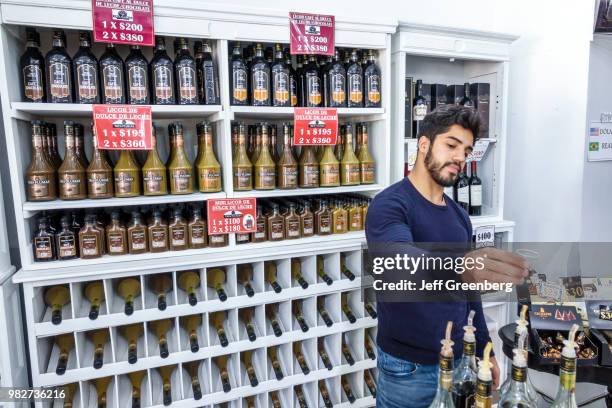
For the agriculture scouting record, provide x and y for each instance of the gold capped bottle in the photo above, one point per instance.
(372, 82)
(330, 168)
(180, 168)
(185, 74)
(71, 174)
(154, 175)
(287, 166)
(366, 161)
(99, 172)
(207, 166)
(349, 166)
(241, 165)
(40, 174)
(127, 175)
(161, 68)
(265, 168)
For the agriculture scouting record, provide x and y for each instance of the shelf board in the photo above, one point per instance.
(85, 110)
(30, 208)
(308, 191)
(500, 224)
(272, 112)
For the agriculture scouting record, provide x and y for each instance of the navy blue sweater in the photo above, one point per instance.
(413, 331)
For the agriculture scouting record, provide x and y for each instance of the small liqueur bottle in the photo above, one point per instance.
(44, 242)
(196, 229)
(292, 223)
(85, 73)
(177, 230)
(276, 225)
(137, 235)
(90, 239)
(67, 242)
(58, 66)
(260, 235)
(137, 71)
(99, 173)
(116, 236)
(112, 71)
(307, 221)
(32, 65)
(162, 82)
(323, 219)
(158, 233)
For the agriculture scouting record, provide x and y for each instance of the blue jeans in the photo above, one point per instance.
(404, 384)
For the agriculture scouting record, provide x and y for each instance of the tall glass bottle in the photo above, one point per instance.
(265, 168)
(293, 80)
(32, 64)
(466, 100)
(287, 166)
(79, 144)
(372, 82)
(336, 82)
(186, 78)
(260, 78)
(210, 78)
(464, 377)
(162, 81)
(354, 74)
(367, 165)
(137, 69)
(241, 165)
(127, 175)
(40, 174)
(330, 168)
(462, 189)
(180, 168)
(281, 82)
(314, 87)
(111, 71)
(58, 67)
(85, 73)
(444, 398)
(308, 168)
(566, 396)
(207, 166)
(349, 166)
(239, 77)
(484, 397)
(116, 236)
(154, 175)
(71, 174)
(419, 109)
(517, 396)
(99, 172)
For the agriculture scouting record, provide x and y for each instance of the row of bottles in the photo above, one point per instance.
(58, 78)
(257, 162)
(74, 177)
(267, 77)
(467, 191)
(96, 234)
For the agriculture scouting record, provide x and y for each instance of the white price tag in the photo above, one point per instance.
(485, 236)
(550, 291)
(411, 153)
(480, 148)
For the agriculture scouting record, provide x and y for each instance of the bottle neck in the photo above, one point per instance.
(58, 43)
(37, 141)
(31, 44)
(474, 167)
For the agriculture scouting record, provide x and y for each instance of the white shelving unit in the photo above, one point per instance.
(446, 55)
(219, 25)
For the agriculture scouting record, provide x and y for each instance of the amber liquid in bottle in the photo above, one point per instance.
(99, 173)
(207, 166)
(260, 79)
(137, 235)
(242, 167)
(330, 168)
(239, 75)
(79, 144)
(158, 233)
(180, 168)
(323, 220)
(339, 219)
(280, 79)
(154, 176)
(355, 217)
(287, 166)
(349, 166)
(53, 152)
(366, 161)
(44, 242)
(292, 223)
(177, 231)
(116, 236)
(40, 174)
(196, 230)
(90, 239)
(71, 174)
(67, 242)
(307, 221)
(308, 168)
(260, 235)
(127, 175)
(265, 168)
(276, 225)
(32, 64)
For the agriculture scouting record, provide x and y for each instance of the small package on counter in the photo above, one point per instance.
(600, 323)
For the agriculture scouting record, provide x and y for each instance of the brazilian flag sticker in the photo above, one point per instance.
(594, 147)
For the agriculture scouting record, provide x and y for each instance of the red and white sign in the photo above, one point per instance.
(232, 215)
(315, 126)
(123, 127)
(480, 148)
(312, 33)
(123, 21)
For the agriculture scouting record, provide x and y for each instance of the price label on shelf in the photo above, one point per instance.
(123, 21)
(315, 126)
(480, 148)
(231, 215)
(485, 236)
(123, 127)
(311, 33)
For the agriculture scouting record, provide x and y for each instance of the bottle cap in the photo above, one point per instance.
(520, 354)
(484, 365)
(569, 345)
(447, 343)
(470, 329)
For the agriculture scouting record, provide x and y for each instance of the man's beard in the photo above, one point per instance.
(435, 170)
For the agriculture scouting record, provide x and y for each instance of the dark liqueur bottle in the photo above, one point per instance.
(475, 191)
(137, 71)
(462, 189)
(58, 66)
(281, 82)
(372, 82)
(466, 100)
(239, 77)
(185, 74)
(336, 82)
(260, 77)
(85, 67)
(210, 77)
(32, 66)
(354, 74)
(314, 88)
(162, 82)
(293, 80)
(111, 72)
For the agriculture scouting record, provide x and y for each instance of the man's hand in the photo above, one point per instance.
(494, 372)
(497, 266)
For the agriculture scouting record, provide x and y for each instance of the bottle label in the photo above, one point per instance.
(98, 184)
(330, 174)
(281, 88)
(483, 394)
(338, 86)
(137, 82)
(373, 88)
(325, 224)
(340, 223)
(294, 91)
(159, 238)
(242, 238)
(217, 239)
(153, 181)
(87, 81)
(113, 83)
(181, 180)
(293, 229)
(33, 83)
(240, 84)
(351, 174)
(356, 221)
(469, 348)
(243, 177)
(419, 112)
(475, 195)
(89, 245)
(42, 246)
(261, 230)
(463, 194)
(178, 236)
(67, 246)
(288, 176)
(188, 91)
(71, 185)
(367, 173)
(124, 182)
(59, 80)
(266, 176)
(211, 91)
(197, 234)
(568, 364)
(162, 78)
(210, 179)
(519, 373)
(310, 175)
(38, 186)
(276, 230)
(308, 226)
(313, 86)
(261, 85)
(116, 243)
(138, 240)
(355, 88)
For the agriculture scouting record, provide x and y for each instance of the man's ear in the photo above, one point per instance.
(423, 144)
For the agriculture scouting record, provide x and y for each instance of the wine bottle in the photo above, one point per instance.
(166, 376)
(369, 348)
(346, 351)
(161, 72)
(270, 274)
(215, 278)
(347, 309)
(136, 378)
(154, 172)
(461, 191)
(323, 353)
(371, 311)
(189, 281)
(85, 72)
(344, 269)
(132, 333)
(296, 307)
(193, 368)
(129, 289)
(71, 174)
(69, 393)
(160, 328)
(370, 383)
(185, 74)
(321, 271)
(246, 316)
(276, 402)
(272, 314)
(323, 312)
(238, 77)
(221, 362)
(464, 377)
(346, 387)
(299, 394)
(280, 79)
(296, 272)
(217, 320)
(247, 360)
(245, 278)
(299, 356)
(192, 324)
(516, 395)
(260, 79)
(32, 64)
(99, 338)
(65, 344)
(136, 67)
(160, 285)
(112, 72)
(56, 297)
(276, 366)
(444, 397)
(566, 395)
(354, 74)
(94, 293)
(475, 191)
(484, 397)
(101, 385)
(58, 67)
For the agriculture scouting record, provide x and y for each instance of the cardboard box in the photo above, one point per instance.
(480, 93)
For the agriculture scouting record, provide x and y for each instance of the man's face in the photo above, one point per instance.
(446, 155)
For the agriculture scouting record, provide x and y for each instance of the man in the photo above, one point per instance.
(414, 210)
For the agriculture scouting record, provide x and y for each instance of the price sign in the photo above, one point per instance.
(123, 21)
(411, 149)
(315, 126)
(549, 290)
(123, 127)
(311, 33)
(485, 236)
(231, 215)
(480, 148)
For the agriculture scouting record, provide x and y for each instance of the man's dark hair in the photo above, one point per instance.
(442, 118)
